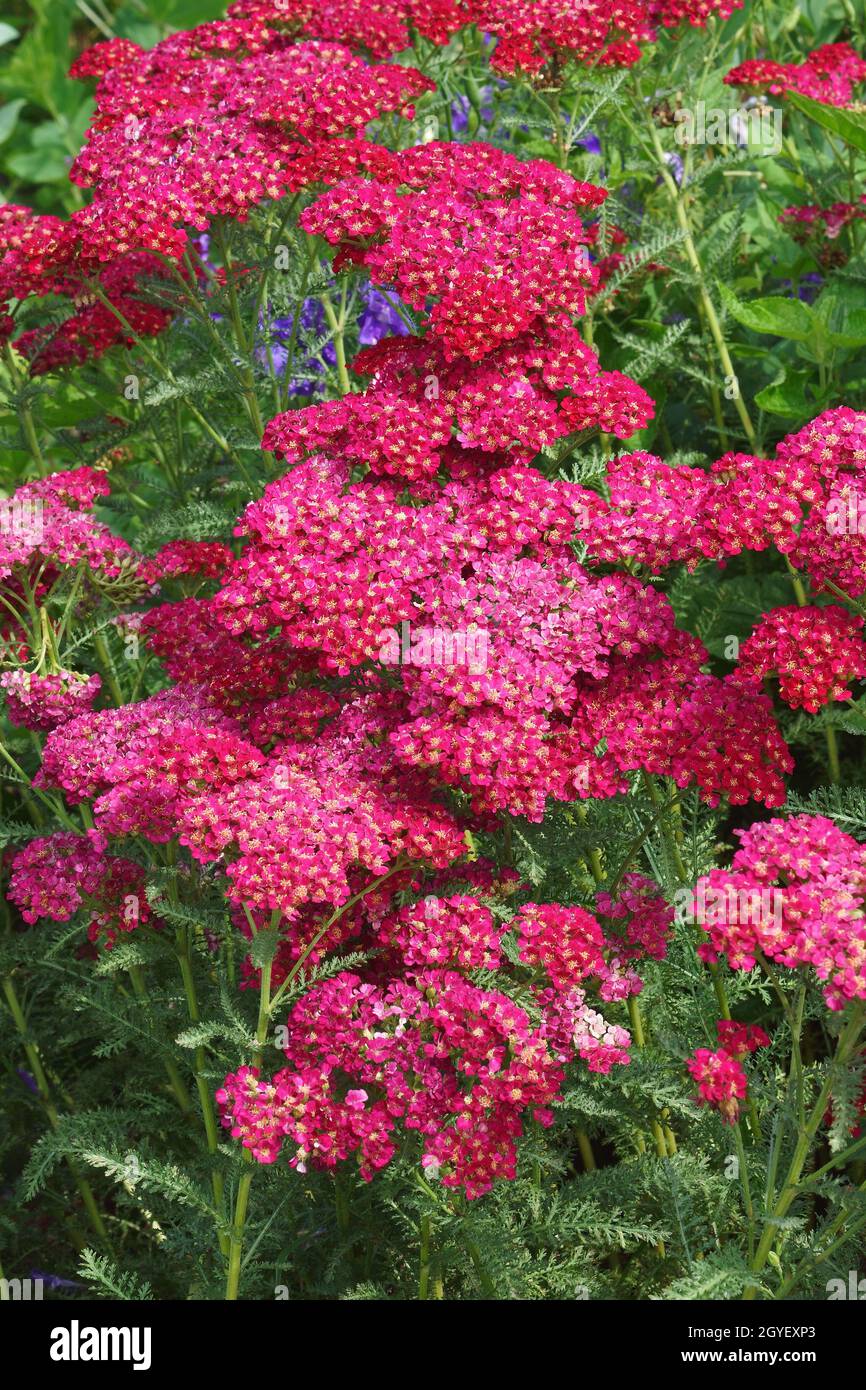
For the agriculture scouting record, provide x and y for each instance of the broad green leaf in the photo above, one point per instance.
(786, 396)
(784, 318)
(9, 118)
(850, 126)
(841, 310)
(39, 166)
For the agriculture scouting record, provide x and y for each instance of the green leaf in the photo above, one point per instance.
(105, 1278)
(541, 149)
(850, 126)
(785, 318)
(9, 117)
(786, 396)
(39, 166)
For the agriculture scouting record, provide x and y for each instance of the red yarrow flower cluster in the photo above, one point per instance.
(215, 120)
(421, 413)
(39, 257)
(721, 1081)
(499, 244)
(828, 74)
(814, 652)
(381, 29)
(549, 661)
(198, 560)
(661, 515)
(528, 33)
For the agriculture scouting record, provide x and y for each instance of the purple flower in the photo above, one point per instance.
(28, 1079)
(807, 288)
(273, 351)
(675, 164)
(590, 142)
(379, 319)
(461, 106)
(54, 1281)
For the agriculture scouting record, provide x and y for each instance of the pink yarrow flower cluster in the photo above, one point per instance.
(720, 1075)
(794, 894)
(460, 1064)
(820, 229)
(60, 874)
(641, 917)
(554, 660)
(827, 458)
(42, 702)
(48, 524)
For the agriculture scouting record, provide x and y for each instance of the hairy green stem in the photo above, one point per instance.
(243, 1194)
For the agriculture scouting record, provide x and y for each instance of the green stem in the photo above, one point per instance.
(54, 807)
(309, 261)
(639, 1035)
(424, 1260)
(243, 1195)
(337, 325)
(829, 733)
(678, 198)
(44, 1091)
(25, 415)
(251, 400)
(175, 1079)
(586, 1153)
(847, 1042)
(106, 666)
(669, 837)
(166, 374)
(204, 1094)
(334, 917)
(746, 1186)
